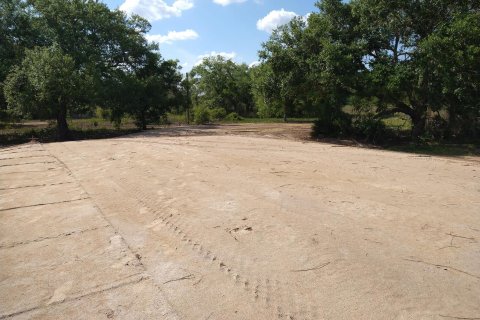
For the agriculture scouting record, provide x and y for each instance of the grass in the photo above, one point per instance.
(181, 119)
(46, 131)
(398, 123)
(98, 128)
(177, 118)
(276, 120)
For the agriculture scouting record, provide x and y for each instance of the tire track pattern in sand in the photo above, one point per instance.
(271, 294)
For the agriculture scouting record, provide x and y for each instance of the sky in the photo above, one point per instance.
(189, 30)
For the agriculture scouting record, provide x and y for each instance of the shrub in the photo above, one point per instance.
(164, 120)
(369, 128)
(201, 115)
(333, 125)
(233, 117)
(218, 113)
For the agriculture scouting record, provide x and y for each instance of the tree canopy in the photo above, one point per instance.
(382, 57)
(222, 83)
(351, 64)
(100, 48)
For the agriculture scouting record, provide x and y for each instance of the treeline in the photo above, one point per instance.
(354, 64)
(64, 57)
(419, 58)
(351, 65)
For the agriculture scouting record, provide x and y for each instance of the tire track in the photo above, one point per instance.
(269, 293)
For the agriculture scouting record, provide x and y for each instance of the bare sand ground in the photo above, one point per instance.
(229, 223)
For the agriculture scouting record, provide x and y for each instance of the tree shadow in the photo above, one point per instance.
(48, 135)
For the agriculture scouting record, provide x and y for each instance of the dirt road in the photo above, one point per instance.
(210, 225)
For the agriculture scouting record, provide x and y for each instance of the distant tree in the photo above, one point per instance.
(221, 83)
(186, 96)
(287, 55)
(266, 91)
(146, 93)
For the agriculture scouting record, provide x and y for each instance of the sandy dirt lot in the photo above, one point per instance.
(234, 223)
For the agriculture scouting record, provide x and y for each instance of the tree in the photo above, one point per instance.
(287, 61)
(17, 33)
(266, 91)
(187, 97)
(382, 56)
(221, 83)
(145, 93)
(46, 85)
(102, 45)
(452, 54)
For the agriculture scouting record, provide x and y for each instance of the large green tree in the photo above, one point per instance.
(266, 91)
(415, 57)
(46, 84)
(285, 58)
(221, 83)
(17, 33)
(397, 41)
(145, 93)
(101, 44)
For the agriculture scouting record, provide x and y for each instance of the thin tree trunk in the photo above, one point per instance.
(419, 123)
(62, 125)
(144, 122)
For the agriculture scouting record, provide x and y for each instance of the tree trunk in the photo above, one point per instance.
(287, 107)
(418, 123)
(62, 125)
(143, 121)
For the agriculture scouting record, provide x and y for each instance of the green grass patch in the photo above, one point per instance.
(46, 131)
(275, 120)
(398, 123)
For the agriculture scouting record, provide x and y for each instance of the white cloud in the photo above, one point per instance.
(275, 19)
(306, 17)
(172, 36)
(254, 64)
(153, 10)
(227, 2)
(226, 55)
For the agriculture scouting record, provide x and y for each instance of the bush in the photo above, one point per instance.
(201, 115)
(164, 120)
(233, 117)
(369, 128)
(332, 125)
(218, 113)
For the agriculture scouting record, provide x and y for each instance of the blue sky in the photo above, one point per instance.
(191, 29)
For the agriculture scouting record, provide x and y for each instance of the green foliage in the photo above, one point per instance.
(45, 85)
(332, 126)
(218, 113)
(17, 33)
(145, 92)
(221, 83)
(100, 57)
(454, 65)
(265, 91)
(201, 115)
(233, 117)
(400, 56)
(80, 129)
(369, 128)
